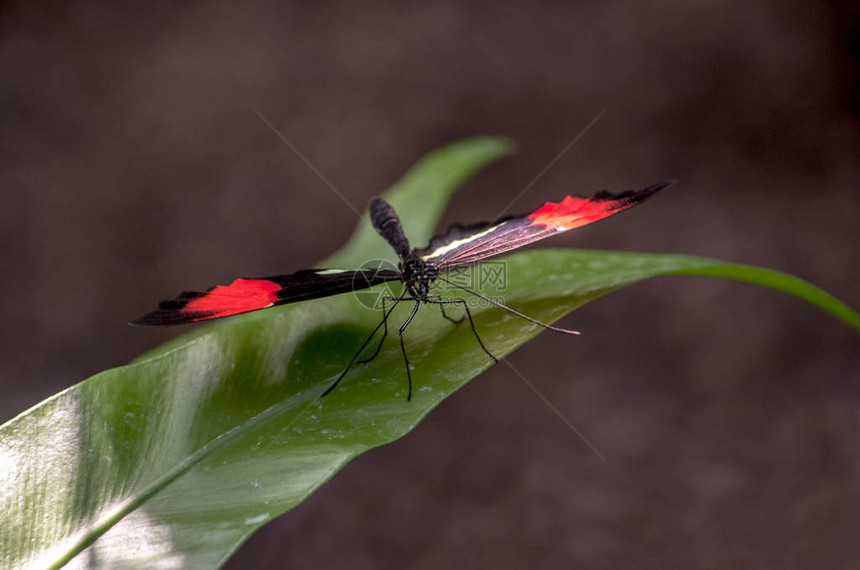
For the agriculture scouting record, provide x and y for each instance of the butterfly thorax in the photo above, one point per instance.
(417, 276)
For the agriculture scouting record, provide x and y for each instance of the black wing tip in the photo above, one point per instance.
(166, 318)
(630, 197)
(654, 188)
(156, 319)
(148, 320)
(169, 312)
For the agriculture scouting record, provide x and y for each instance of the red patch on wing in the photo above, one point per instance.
(573, 212)
(241, 296)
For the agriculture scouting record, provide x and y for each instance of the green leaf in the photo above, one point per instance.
(179, 457)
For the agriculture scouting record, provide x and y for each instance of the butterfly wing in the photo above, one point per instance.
(464, 245)
(245, 295)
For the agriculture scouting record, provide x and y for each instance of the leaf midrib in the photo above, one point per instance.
(209, 448)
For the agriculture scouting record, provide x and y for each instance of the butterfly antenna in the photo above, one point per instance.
(510, 310)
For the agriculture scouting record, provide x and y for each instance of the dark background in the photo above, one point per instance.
(133, 166)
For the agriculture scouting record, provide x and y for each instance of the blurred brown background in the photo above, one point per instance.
(133, 166)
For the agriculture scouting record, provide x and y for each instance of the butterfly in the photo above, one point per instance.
(460, 247)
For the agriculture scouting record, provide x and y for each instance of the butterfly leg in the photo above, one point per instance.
(433, 299)
(384, 331)
(382, 323)
(403, 347)
(461, 301)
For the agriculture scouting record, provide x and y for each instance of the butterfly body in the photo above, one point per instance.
(416, 273)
